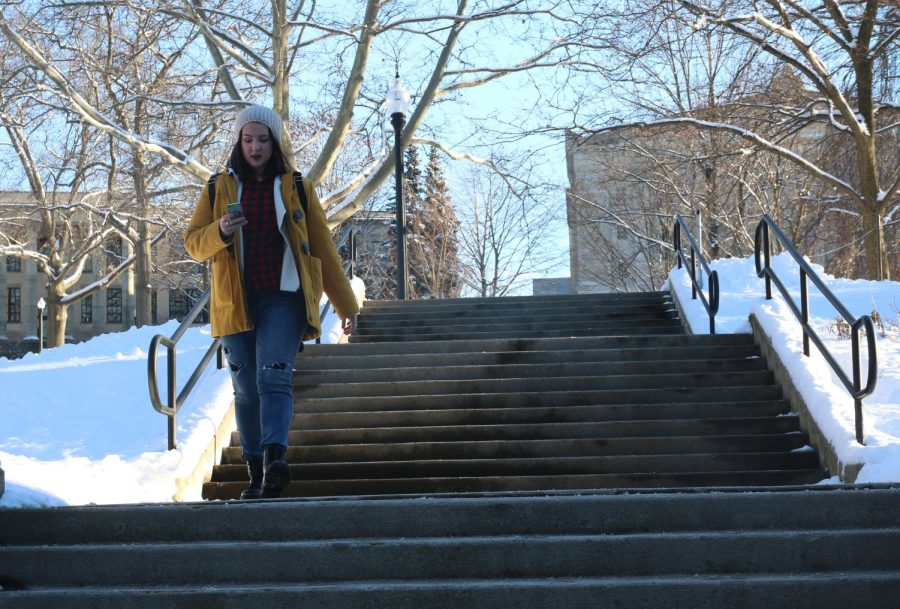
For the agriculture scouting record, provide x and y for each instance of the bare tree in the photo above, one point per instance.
(255, 52)
(58, 223)
(504, 232)
(835, 48)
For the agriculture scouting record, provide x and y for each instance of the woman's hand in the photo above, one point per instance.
(229, 224)
(349, 324)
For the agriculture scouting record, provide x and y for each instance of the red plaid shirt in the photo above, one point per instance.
(262, 241)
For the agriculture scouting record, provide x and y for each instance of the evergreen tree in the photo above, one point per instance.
(412, 177)
(434, 266)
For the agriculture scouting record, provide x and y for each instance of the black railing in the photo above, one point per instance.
(762, 256)
(174, 403)
(712, 303)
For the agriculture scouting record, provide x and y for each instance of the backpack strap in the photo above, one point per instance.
(212, 190)
(298, 184)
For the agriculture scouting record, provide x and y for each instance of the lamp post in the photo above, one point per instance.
(41, 303)
(397, 103)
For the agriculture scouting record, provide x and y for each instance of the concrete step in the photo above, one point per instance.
(823, 547)
(648, 429)
(584, 315)
(576, 343)
(776, 591)
(454, 332)
(574, 368)
(454, 558)
(557, 482)
(309, 361)
(537, 414)
(625, 298)
(539, 466)
(421, 387)
(508, 449)
(546, 431)
(598, 512)
(530, 399)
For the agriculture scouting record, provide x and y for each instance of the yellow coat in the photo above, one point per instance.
(311, 245)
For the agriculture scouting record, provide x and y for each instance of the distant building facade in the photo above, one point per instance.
(550, 286)
(110, 309)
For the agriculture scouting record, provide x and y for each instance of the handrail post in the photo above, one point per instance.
(676, 242)
(352, 253)
(693, 274)
(857, 401)
(767, 257)
(712, 303)
(804, 308)
(170, 390)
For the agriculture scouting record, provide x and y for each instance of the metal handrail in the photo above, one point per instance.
(173, 403)
(712, 304)
(764, 269)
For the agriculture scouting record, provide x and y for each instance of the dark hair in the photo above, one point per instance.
(276, 166)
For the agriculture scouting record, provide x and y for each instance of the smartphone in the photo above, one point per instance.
(235, 210)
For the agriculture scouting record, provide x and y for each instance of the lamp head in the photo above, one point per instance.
(397, 98)
(41, 303)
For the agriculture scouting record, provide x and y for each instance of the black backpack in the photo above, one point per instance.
(298, 184)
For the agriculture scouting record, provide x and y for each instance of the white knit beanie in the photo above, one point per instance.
(258, 114)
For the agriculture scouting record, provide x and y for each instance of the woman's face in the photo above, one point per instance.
(256, 144)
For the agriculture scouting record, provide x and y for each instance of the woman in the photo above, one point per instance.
(271, 261)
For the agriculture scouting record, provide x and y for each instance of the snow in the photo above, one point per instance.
(78, 428)
(77, 425)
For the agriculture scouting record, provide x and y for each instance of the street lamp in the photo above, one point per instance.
(397, 103)
(41, 303)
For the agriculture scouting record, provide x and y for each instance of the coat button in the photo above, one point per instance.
(298, 215)
(306, 247)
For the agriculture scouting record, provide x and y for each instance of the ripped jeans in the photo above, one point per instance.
(261, 362)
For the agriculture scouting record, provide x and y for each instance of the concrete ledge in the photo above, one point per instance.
(189, 488)
(827, 455)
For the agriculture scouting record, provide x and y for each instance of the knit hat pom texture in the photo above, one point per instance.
(258, 114)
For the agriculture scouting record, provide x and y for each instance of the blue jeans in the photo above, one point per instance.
(262, 364)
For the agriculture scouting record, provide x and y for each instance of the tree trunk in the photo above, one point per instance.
(143, 276)
(143, 259)
(875, 246)
(57, 315)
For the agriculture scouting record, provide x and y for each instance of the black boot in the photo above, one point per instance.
(255, 469)
(278, 472)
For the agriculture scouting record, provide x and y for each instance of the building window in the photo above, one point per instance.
(89, 264)
(621, 233)
(181, 302)
(114, 306)
(154, 308)
(13, 264)
(14, 305)
(87, 310)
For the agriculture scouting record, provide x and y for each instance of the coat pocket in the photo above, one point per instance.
(224, 268)
(315, 266)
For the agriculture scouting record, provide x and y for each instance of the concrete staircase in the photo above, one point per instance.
(791, 549)
(571, 392)
(598, 458)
